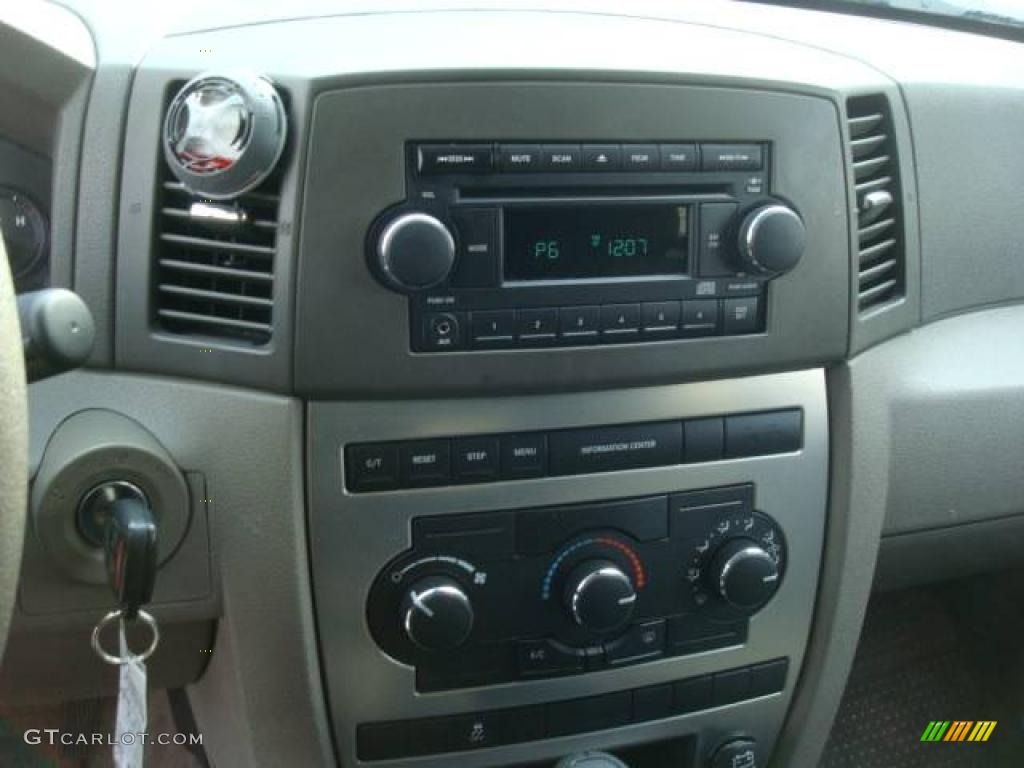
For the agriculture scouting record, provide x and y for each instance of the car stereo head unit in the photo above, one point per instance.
(525, 245)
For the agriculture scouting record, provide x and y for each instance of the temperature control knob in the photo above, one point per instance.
(436, 614)
(415, 251)
(772, 239)
(600, 596)
(744, 574)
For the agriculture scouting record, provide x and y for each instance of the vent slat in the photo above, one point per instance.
(873, 230)
(207, 269)
(214, 263)
(258, 196)
(874, 171)
(872, 252)
(210, 244)
(872, 185)
(867, 145)
(213, 320)
(869, 167)
(871, 274)
(876, 293)
(216, 296)
(862, 124)
(183, 214)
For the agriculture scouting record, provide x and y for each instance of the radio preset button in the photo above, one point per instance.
(579, 323)
(455, 158)
(731, 157)
(660, 318)
(740, 315)
(620, 320)
(602, 157)
(560, 157)
(537, 325)
(519, 157)
(493, 328)
(678, 157)
(640, 157)
(700, 317)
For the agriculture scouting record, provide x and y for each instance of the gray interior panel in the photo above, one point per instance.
(955, 420)
(971, 227)
(140, 345)
(249, 448)
(921, 557)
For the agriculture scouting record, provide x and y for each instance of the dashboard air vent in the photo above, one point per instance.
(880, 247)
(214, 270)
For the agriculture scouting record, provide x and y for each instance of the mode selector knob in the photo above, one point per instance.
(436, 614)
(743, 574)
(415, 251)
(600, 596)
(772, 239)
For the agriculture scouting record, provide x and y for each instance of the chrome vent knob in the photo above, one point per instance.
(224, 133)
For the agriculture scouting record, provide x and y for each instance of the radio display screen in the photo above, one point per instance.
(562, 243)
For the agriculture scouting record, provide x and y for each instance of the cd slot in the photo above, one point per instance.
(610, 194)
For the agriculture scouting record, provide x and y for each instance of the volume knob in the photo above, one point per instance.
(415, 251)
(600, 596)
(772, 239)
(436, 614)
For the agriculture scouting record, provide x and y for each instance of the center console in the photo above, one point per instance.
(516, 614)
(568, 491)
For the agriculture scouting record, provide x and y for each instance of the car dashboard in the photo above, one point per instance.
(524, 381)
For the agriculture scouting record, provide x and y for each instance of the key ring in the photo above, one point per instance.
(118, 614)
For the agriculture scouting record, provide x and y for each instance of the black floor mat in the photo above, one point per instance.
(950, 652)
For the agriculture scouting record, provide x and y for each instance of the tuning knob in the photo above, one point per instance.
(436, 614)
(772, 239)
(224, 133)
(415, 251)
(743, 574)
(599, 596)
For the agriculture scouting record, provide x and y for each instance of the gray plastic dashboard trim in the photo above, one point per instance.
(260, 700)
(567, 46)
(139, 343)
(352, 536)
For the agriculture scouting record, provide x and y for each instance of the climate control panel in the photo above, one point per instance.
(493, 597)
